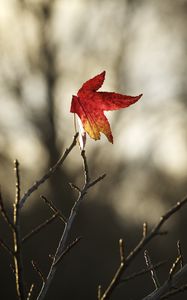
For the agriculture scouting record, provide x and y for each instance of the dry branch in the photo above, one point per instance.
(54, 209)
(39, 228)
(179, 250)
(168, 285)
(15, 225)
(62, 247)
(38, 271)
(118, 273)
(146, 238)
(152, 269)
(18, 263)
(174, 266)
(99, 292)
(182, 289)
(30, 292)
(46, 176)
(68, 248)
(142, 272)
(6, 247)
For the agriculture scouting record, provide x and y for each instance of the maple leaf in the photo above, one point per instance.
(90, 105)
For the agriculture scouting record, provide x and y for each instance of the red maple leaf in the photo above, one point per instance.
(90, 105)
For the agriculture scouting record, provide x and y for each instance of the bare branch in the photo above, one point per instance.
(152, 270)
(6, 247)
(99, 292)
(68, 248)
(39, 227)
(86, 172)
(46, 176)
(75, 187)
(18, 188)
(92, 183)
(117, 275)
(142, 272)
(18, 263)
(121, 250)
(62, 248)
(37, 269)
(30, 292)
(176, 291)
(142, 243)
(145, 229)
(174, 266)
(177, 278)
(179, 249)
(54, 209)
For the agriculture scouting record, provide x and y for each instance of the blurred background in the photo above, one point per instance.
(47, 50)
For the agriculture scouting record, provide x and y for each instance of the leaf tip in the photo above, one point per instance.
(102, 76)
(103, 73)
(110, 138)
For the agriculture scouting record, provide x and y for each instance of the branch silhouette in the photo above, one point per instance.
(146, 238)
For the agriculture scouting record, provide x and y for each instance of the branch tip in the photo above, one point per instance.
(121, 250)
(30, 291)
(37, 269)
(141, 244)
(99, 292)
(145, 229)
(75, 187)
(174, 266)
(179, 250)
(152, 270)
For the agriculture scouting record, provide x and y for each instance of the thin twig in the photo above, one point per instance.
(167, 286)
(181, 289)
(39, 228)
(46, 176)
(156, 230)
(6, 247)
(30, 292)
(92, 183)
(121, 250)
(63, 241)
(54, 209)
(68, 248)
(75, 187)
(18, 263)
(99, 292)
(86, 171)
(118, 273)
(37, 269)
(145, 229)
(142, 272)
(142, 243)
(174, 266)
(179, 250)
(152, 269)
